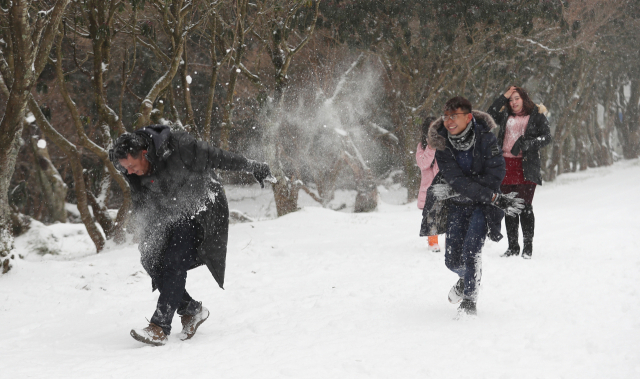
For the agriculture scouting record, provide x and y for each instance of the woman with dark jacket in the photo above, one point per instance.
(524, 130)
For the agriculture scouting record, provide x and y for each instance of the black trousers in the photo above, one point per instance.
(171, 276)
(528, 222)
(526, 219)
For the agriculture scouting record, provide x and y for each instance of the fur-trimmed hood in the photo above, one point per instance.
(439, 142)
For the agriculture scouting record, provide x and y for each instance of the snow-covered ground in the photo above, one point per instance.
(325, 294)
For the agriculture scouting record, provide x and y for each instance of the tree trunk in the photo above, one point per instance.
(74, 156)
(27, 50)
(190, 123)
(53, 187)
(7, 165)
(285, 193)
(102, 215)
(630, 129)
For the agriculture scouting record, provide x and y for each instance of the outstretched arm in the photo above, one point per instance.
(200, 156)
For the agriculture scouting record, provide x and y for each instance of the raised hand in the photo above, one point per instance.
(510, 92)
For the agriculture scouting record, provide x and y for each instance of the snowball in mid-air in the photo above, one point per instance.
(42, 144)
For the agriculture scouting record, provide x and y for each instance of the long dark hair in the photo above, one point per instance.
(425, 130)
(527, 104)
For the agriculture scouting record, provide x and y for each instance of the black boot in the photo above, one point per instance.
(512, 223)
(528, 226)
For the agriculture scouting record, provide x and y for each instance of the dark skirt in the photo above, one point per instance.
(515, 173)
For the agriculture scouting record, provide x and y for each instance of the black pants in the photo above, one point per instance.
(526, 217)
(528, 222)
(171, 275)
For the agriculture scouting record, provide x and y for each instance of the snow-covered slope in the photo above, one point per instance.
(324, 294)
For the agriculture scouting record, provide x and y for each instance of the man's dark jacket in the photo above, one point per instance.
(183, 185)
(536, 136)
(487, 171)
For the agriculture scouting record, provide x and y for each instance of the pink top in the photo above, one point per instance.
(516, 125)
(424, 158)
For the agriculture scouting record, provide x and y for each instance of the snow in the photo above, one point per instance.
(42, 144)
(189, 80)
(320, 294)
(30, 118)
(341, 132)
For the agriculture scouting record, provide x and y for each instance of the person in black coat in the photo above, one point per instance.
(182, 217)
(472, 166)
(524, 130)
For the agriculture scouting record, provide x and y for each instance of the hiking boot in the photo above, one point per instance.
(191, 323)
(511, 252)
(455, 293)
(152, 335)
(467, 308)
(527, 251)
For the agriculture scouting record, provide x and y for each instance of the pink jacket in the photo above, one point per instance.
(424, 158)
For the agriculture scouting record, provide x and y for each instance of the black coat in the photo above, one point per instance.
(183, 184)
(487, 171)
(536, 136)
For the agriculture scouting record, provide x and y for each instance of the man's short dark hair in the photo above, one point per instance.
(129, 144)
(458, 102)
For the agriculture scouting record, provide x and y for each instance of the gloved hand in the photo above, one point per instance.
(443, 191)
(509, 203)
(261, 172)
(520, 145)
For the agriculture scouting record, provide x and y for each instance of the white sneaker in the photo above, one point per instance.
(455, 293)
(434, 248)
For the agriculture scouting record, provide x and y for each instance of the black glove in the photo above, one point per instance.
(261, 172)
(517, 147)
(443, 191)
(509, 203)
(520, 145)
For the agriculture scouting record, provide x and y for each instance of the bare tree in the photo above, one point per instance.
(29, 30)
(281, 33)
(176, 25)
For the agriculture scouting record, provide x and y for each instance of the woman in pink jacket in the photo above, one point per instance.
(425, 157)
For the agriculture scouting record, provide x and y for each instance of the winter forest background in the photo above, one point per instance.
(331, 94)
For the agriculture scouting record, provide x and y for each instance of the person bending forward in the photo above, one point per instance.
(182, 215)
